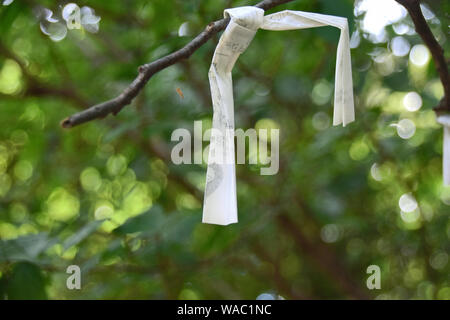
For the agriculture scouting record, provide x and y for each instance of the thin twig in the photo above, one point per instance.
(146, 71)
(437, 53)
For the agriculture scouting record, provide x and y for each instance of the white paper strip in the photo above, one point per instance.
(445, 121)
(343, 88)
(220, 204)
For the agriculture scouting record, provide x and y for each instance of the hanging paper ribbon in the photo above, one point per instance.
(445, 121)
(220, 204)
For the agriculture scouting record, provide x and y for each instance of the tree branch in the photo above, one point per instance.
(146, 71)
(437, 53)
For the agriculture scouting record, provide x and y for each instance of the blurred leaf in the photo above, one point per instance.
(9, 14)
(115, 133)
(151, 220)
(174, 227)
(27, 247)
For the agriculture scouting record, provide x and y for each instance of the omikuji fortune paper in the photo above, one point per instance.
(220, 204)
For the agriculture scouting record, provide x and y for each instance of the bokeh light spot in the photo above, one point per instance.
(359, 150)
(330, 233)
(23, 170)
(439, 260)
(10, 77)
(407, 202)
(116, 165)
(104, 211)
(375, 172)
(62, 205)
(419, 55)
(412, 101)
(405, 128)
(400, 46)
(410, 217)
(321, 92)
(321, 121)
(184, 30)
(90, 179)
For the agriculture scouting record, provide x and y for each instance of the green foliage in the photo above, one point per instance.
(28, 247)
(26, 282)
